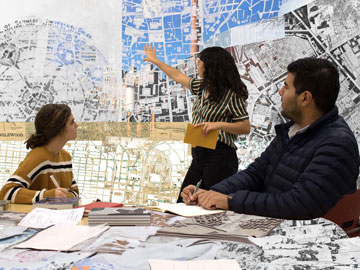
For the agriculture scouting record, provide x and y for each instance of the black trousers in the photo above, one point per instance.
(212, 166)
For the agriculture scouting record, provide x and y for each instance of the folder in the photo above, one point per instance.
(195, 137)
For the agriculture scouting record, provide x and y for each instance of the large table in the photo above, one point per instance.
(312, 244)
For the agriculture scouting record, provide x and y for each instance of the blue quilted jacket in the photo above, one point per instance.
(298, 179)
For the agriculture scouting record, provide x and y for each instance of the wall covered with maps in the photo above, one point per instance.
(88, 54)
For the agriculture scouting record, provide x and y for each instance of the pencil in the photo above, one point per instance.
(52, 177)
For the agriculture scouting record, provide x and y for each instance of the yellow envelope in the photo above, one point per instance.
(195, 137)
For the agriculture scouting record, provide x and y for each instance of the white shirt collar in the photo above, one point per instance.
(296, 129)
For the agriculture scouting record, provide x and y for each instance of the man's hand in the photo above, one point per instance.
(187, 194)
(208, 126)
(61, 192)
(213, 200)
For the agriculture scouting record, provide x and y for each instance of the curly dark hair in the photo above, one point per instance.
(49, 122)
(221, 74)
(318, 76)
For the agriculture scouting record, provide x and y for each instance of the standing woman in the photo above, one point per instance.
(46, 170)
(219, 104)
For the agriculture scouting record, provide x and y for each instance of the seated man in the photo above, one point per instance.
(311, 163)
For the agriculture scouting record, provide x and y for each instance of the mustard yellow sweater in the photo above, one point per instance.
(31, 182)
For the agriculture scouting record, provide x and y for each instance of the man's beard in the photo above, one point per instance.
(284, 114)
(293, 116)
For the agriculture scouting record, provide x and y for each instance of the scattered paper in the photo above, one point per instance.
(137, 258)
(62, 237)
(118, 239)
(41, 218)
(194, 265)
(10, 231)
(227, 226)
(139, 233)
(34, 259)
(5, 243)
(10, 218)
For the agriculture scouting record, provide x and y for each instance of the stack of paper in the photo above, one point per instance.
(120, 216)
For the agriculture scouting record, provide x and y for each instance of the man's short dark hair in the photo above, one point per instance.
(318, 76)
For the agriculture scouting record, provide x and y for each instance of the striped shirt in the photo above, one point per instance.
(231, 108)
(31, 182)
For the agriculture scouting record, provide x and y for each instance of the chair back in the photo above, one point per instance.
(346, 213)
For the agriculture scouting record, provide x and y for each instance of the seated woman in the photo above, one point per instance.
(46, 171)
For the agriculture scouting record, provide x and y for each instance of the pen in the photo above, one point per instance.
(197, 186)
(52, 177)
